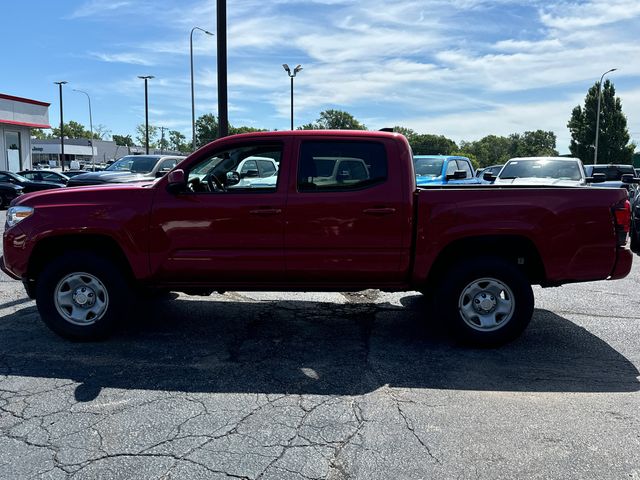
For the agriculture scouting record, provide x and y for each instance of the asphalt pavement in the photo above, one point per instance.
(323, 386)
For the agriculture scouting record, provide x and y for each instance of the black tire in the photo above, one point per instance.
(4, 203)
(82, 296)
(485, 301)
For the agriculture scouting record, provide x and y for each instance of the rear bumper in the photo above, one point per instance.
(624, 260)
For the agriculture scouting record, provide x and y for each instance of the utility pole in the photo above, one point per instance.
(162, 129)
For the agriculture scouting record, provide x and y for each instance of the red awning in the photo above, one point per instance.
(24, 124)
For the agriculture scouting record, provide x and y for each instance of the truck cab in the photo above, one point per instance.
(443, 170)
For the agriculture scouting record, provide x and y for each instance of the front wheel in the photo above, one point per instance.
(81, 296)
(486, 302)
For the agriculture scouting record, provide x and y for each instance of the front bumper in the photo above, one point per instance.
(4, 268)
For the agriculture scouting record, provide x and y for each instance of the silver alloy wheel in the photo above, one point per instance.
(486, 304)
(81, 298)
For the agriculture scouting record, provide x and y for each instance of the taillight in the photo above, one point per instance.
(622, 217)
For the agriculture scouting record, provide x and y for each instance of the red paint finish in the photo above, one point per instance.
(387, 235)
(4, 96)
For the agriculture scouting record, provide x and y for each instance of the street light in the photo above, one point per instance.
(292, 76)
(595, 154)
(193, 101)
(146, 110)
(61, 125)
(93, 160)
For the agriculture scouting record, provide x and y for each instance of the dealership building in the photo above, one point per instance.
(17, 117)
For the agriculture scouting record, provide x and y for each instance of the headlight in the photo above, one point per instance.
(17, 214)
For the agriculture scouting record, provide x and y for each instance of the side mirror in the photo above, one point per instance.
(457, 175)
(233, 178)
(176, 181)
(629, 178)
(597, 178)
(489, 177)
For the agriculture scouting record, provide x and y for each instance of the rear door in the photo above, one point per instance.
(346, 226)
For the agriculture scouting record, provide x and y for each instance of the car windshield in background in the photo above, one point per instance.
(428, 167)
(560, 169)
(137, 164)
(613, 172)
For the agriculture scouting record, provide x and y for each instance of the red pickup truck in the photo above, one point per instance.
(84, 253)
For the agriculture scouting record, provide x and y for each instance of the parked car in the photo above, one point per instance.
(234, 173)
(85, 253)
(491, 172)
(132, 168)
(615, 176)
(25, 183)
(443, 170)
(73, 173)
(9, 191)
(45, 175)
(531, 171)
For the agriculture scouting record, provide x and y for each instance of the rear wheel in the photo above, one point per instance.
(486, 301)
(4, 202)
(82, 296)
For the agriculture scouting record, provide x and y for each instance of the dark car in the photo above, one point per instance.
(8, 192)
(493, 170)
(132, 168)
(25, 183)
(45, 176)
(73, 173)
(613, 176)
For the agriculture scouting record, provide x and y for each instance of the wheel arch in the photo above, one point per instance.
(49, 248)
(517, 250)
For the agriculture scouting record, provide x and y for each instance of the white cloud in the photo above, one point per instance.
(95, 8)
(132, 58)
(572, 16)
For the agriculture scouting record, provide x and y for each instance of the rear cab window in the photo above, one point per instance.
(326, 166)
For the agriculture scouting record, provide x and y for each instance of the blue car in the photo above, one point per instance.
(443, 170)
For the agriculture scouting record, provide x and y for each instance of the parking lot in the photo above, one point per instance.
(331, 385)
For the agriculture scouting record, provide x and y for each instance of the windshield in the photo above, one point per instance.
(133, 164)
(559, 169)
(428, 167)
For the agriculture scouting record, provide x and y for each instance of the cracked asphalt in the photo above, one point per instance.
(323, 386)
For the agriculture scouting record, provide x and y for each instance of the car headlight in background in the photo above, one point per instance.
(17, 214)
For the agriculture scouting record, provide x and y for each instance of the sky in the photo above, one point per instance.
(459, 68)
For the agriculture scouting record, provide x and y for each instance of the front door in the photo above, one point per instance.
(220, 231)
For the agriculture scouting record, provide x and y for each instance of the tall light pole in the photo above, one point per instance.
(146, 111)
(193, 101)
(595, 153)
(93, 159)
(61, 125)
(292, 75)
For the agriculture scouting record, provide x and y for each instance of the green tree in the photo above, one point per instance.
(334, 119)
(236, 130)
(72, 129)
(123, 140)
(178, 142)
(489, 150)
(533, 144)
(39, 134)
(206, 129)
(428, 144)
(613, 139)
(141, 135)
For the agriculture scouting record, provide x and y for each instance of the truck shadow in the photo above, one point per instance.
(302, 347)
